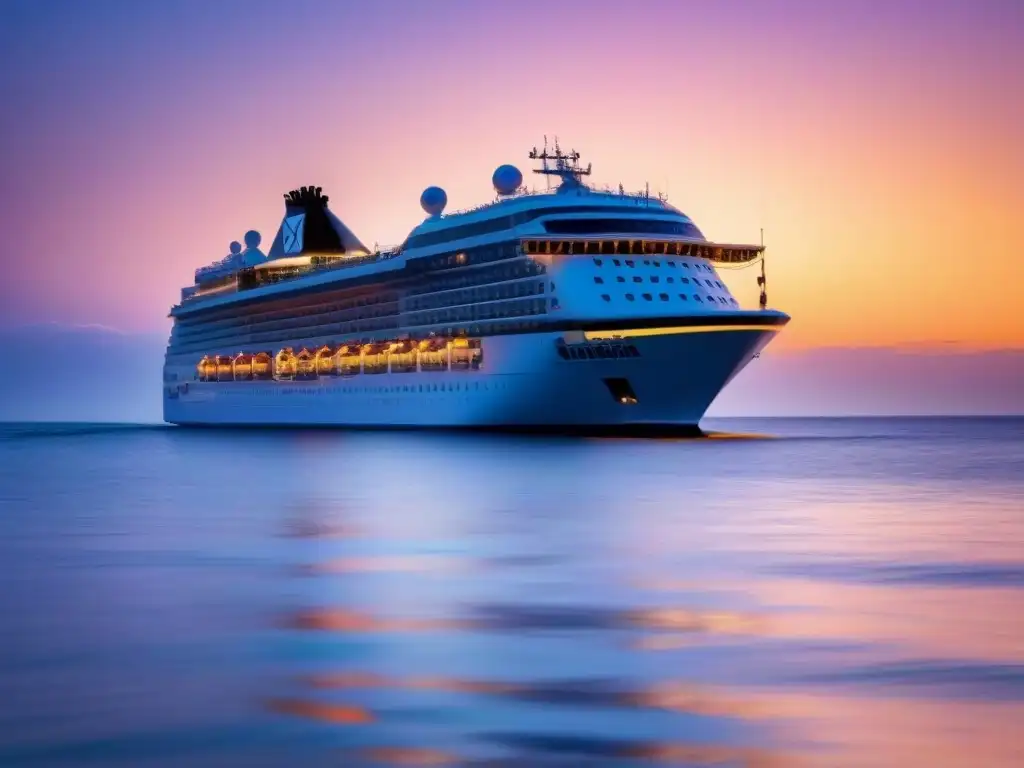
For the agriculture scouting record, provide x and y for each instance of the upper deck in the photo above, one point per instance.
(313, 248)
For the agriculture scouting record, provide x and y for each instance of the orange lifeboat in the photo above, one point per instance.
(347, 360)
(325, 362)
(261, 366)
(207, 369)
(305, 363)
(242, 367)
(285, 364)
(224, 368)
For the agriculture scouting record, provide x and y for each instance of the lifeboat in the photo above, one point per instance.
(375, 357)
(402, 357)
(347, 360)
(207, 369)
(285, 364)
(325, 362)
(242, 367)
(305, 365)
(433, 354)
(261, 366)
(467, 354)
(224, 368)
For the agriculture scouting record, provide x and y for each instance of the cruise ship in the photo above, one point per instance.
(572, 309)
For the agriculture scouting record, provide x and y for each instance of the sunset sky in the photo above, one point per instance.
(878, 143)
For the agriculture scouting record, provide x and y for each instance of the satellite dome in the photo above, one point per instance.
(235, 247)
(252, 239)
(433, 200)
(507, 179)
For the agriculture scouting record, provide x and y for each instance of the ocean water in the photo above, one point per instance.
(784, 593)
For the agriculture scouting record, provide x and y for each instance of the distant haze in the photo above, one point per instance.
(92, 374)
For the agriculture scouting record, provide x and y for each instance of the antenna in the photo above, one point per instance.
(566, 165)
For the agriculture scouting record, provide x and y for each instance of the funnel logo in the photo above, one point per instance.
(292, 231)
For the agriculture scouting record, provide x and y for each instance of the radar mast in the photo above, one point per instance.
(566, 165)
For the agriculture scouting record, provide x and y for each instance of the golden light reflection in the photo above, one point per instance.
(409, 756)
(923, 620)
(712, 622)
(341, 620)
(677, 697)
(340, 714)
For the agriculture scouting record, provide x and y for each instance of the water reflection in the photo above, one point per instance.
(836, 597)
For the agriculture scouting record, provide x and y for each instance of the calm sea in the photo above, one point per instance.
(789, 592)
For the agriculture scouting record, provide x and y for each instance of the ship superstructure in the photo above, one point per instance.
(569, 309)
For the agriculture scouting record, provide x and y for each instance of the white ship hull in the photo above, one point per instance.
(522, 384)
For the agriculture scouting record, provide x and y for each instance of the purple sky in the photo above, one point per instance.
(877, 142)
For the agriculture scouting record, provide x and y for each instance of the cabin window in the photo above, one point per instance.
(655, 279)
(598, 262)
(598, 279)
(620, 278)
(663, 296)
(682, 296)
(647, 297)
(697, 298)
(616, 262)
(670, 279)
(606, 297)
(629, 262)
(630, 297)
(637, 279)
